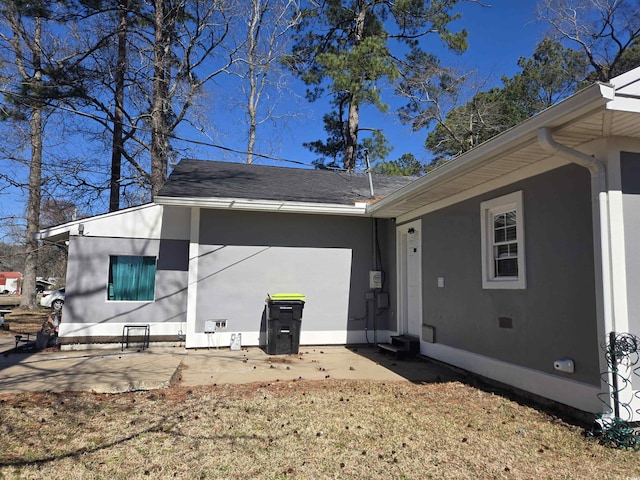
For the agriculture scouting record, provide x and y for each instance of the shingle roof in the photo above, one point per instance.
(212, 179)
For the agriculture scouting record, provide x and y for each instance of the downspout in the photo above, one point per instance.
(599, 178)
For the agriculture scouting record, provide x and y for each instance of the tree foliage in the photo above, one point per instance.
(590, 40)
(407, 165)
(332, 149)
(345, 50)
(550, 74)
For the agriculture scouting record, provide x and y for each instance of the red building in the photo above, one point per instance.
(11, 281)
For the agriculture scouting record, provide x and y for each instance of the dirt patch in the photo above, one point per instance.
(297, 429)
(283, 360)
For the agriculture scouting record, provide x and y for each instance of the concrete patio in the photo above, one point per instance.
(113, 371)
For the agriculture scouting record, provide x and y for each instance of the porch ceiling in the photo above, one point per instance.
(580, 119)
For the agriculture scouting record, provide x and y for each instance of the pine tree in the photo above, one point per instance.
(345, 49)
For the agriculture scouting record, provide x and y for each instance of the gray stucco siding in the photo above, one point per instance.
(630, 173)
(555, 316)
(246, 255)
(87, 279)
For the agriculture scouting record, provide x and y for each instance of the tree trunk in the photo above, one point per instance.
(159, 111)
(351, 147)
(253, 86)
(118, 114)
(35, 176)
(351, 150)
(252, 139)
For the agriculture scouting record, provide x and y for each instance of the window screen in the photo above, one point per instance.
(505, 245)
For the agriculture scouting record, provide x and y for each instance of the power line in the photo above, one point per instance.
(105, 120)
(233, 150)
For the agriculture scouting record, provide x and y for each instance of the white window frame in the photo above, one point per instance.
(488, 209)
(155, 273)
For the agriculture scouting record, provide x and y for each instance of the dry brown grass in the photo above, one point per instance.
(302, 430)
(293, 430)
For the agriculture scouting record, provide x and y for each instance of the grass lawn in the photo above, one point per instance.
(297, 430)
(304, 430)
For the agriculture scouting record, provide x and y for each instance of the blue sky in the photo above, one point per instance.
(498, 36)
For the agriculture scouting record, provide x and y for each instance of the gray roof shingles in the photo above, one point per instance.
(212, 179)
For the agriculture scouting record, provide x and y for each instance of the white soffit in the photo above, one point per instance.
(587, 115)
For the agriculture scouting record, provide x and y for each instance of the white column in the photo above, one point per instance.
(192, 286)
(617, 242)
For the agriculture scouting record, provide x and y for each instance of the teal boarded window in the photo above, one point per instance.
(131, 278)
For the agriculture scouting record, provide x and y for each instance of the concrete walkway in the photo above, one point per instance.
(113, 371)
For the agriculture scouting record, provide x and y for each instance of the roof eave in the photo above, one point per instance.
(62, 232)
(357, 208)
(593, 97)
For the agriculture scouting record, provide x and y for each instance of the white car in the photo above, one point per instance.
(52, 299)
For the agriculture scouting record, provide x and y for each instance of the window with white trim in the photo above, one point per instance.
(503, 259)
(131, 278)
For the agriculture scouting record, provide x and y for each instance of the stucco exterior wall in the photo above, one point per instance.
(244, 256)
(89, 316)
(87, 277)
(555, 316)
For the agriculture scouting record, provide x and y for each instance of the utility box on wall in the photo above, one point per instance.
(429, 333)
(375, 279)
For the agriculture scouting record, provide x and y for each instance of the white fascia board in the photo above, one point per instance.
(627, 79)
(359, 208)
(576, 106)
(65, 229)
(625, 103)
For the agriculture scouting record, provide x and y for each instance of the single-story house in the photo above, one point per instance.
(218, 239)
(514, 261)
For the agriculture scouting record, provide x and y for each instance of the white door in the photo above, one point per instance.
(410, 279)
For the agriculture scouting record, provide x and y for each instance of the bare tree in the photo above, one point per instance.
(113, 111)
(186, 36)
(604, 29)
(268, 33)
(117, 144)
(39, 74)
(147, 78)
(164, 21)
(22, 43)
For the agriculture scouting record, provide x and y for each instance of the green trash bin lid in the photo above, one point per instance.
(288, 296)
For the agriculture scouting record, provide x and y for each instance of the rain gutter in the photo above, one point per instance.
(598, 185)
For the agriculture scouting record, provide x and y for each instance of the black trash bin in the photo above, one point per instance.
(284, 317)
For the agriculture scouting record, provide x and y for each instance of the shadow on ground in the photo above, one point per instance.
(417, 369)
